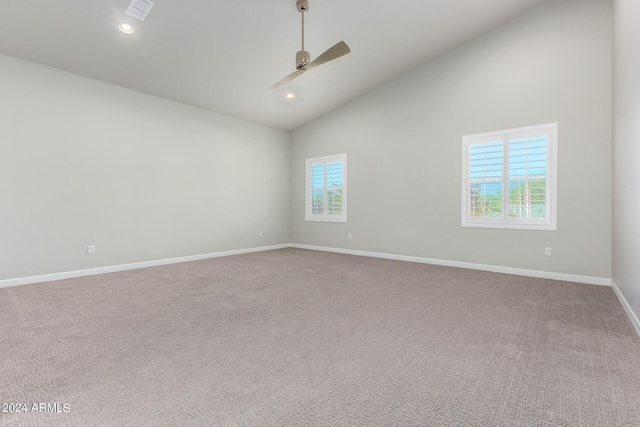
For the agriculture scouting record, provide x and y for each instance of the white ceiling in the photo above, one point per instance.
(223, 55)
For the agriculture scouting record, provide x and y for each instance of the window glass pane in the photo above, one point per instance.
(334, 174)
(485, 160)
(528, 156)
(528, 198)
(317, 176)
(486, 199)
(317, 202)
(334, 202)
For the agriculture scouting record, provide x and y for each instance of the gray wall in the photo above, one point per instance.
(404, 142)
(84, 162)
(626, 151)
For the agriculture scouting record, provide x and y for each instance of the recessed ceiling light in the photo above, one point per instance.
(125, 28)
(290, 95)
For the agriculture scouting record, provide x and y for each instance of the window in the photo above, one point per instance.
(509, 178)
(326, 189)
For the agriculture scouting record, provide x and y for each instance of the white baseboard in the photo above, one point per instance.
(627, 308)
(602, 281)
(112, 269)
(484, 267)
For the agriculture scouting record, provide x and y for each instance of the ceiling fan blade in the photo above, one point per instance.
(288, 78)
(334, 52)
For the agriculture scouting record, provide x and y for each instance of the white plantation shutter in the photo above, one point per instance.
(334, 188)
(528, 177)
(484, 190)
(509, 178)
(317, 191)
(326, 188)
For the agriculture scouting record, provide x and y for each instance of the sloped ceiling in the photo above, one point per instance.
(223, 55)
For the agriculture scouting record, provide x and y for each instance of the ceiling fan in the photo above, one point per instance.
(303, 62)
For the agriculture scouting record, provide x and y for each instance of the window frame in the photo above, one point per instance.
(324, 160)
(549, 222)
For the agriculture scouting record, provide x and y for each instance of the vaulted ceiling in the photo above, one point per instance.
(224, 55)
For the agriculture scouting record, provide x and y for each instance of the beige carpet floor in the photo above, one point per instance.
(301, 338)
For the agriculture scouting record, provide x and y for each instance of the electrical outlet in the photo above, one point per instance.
(261, 234)
(91, 249)
(547, 251)
(349, 236)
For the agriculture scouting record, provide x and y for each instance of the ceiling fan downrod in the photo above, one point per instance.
(302, 57)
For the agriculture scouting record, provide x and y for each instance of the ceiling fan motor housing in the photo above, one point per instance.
(302, 59)
(303, 5)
